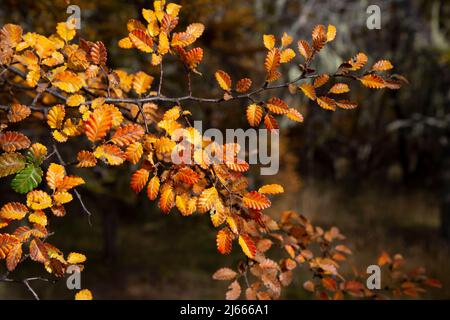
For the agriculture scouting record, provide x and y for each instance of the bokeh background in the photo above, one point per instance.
(381, 173)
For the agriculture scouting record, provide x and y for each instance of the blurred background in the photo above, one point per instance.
(381, 173)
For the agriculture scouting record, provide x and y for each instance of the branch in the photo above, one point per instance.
(80, 199)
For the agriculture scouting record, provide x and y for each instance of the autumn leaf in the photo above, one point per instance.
(56, 116)
(187, 175)
(11, 141)
(287, 55)
(98, 124)
(67, 81)
(304, 49)
(7, 243)
(65, 32)
(18, 112)
(277, 106)
(139, 180)
(141, 40)
(234, 291)
(223, 79)
(84, 294)
(127, 134)
(243, 85)
(153, 188)
(55, 175)
(70, 182)
(247, 245)
(308, 90)
(271, 189)
(339, 88)
(295, 115)
(373, 81)
(256, 200)
(382, 65)
(269, 41)
(224, 241)
(11, 163)
(224, 274)
(270, 123)
(38, 200)
(86, 159)
(142, 82)
(254, 114)
(14, 257)
(13, 211)
(167, 198)
(98, 53)
(76, 258)
(207, 199)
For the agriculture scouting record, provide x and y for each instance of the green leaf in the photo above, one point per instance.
(27, 179)
(11, 163)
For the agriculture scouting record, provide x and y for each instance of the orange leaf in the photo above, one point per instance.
(187, 175)
(255, 200)
(11, 141)
(224, 241)
(127, 134)
(254, 114)
(7, 243)
(372, 81)
(153, 188)
(167, 198)
(243, 85)
(270, 123)
(247, 245)
(98, 124)
(18, 112)
(86, 159)
(139, 180)
(55, 175)
(13, 211)
(223, 79)
(271, 189)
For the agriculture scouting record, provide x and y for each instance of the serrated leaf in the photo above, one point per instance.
(11, 163)
(27, 179)
(223, 79)
(254, 114)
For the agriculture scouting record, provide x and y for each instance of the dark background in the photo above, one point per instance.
(381, 173)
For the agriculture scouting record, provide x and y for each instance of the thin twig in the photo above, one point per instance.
(80, 199)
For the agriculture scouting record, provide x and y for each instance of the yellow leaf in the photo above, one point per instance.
(223, 79)
(271, 189)
(247, 245)
(38, 200)
(269, 41)
(65, 32)
(67, 81)
(308, 90)
(373, 81)
(84, 294)
(76, 258)
(55, 175)
(331, 33)
(56, 116)
(287, 55)
(38, 217)
(62, 197)
(142, 82)
(254, 114)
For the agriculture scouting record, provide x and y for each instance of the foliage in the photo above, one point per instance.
(113, 112)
